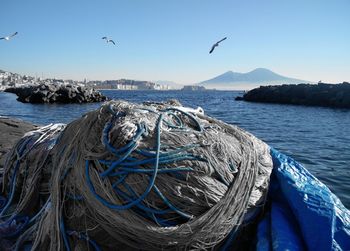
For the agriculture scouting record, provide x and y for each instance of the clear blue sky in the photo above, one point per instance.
(170, 40)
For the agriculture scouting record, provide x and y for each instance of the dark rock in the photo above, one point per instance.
(38, 96)
(11, 130)
(239, 98)
(330, 95)
(46, 93)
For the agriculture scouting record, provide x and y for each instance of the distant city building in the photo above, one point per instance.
(8, 79)
(193, 88)
(126, 84)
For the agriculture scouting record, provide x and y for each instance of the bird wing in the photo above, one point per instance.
(2, 38)
(14, 34)
(222, 40)
(212, 48)
(112, 41)
(104, 38)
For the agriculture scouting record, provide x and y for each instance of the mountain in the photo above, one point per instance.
(249, 80)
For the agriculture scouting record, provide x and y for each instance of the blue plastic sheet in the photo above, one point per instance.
(304, 213)
(264, 233)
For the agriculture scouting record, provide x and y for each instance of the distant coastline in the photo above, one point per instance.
(11, 80)
(150, 89)
(228, 81)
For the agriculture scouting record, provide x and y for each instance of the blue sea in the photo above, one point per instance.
(317, 137)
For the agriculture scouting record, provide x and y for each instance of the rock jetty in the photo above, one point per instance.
(56, 93)
(330, 95)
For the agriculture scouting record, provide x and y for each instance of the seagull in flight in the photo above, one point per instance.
(108, 40)
(216, 44)
(7, 38)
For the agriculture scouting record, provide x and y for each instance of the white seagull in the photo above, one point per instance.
(216, 44)
(108, 40)
(7, 38)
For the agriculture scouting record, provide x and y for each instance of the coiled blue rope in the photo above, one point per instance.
(151, 179)
(119, 169)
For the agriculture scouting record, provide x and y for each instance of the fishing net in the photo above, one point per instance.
(129, 176)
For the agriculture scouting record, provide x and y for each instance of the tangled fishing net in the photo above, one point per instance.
(129, 176)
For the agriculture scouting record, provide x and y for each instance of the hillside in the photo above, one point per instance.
(249, 80)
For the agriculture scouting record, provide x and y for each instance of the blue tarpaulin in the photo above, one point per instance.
(304, 215)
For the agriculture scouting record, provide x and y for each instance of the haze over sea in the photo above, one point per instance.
(317, 137)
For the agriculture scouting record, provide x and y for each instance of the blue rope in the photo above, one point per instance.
(199, 127)
(167, 202)
(148, 212)
(162, 154)
(75, 197)
(3, 201)
(125, 170)
(162, 160)
(116, 163)
(129, 147)
(85, 237)
(43, 208)
(178, 120)
(18, 223)
(22, 239)
(140, 205)
(22, 144)
(155, 211)
(12, 190)
(64, 234)
(149, 187)
(121, 180)
(115, 113)
(140, 131)
(127, 164)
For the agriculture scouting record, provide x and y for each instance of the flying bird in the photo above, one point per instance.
(9, 37)
(216, 44)
(108, 40)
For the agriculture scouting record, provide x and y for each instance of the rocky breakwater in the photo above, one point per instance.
(330, 95)
(56, 93)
